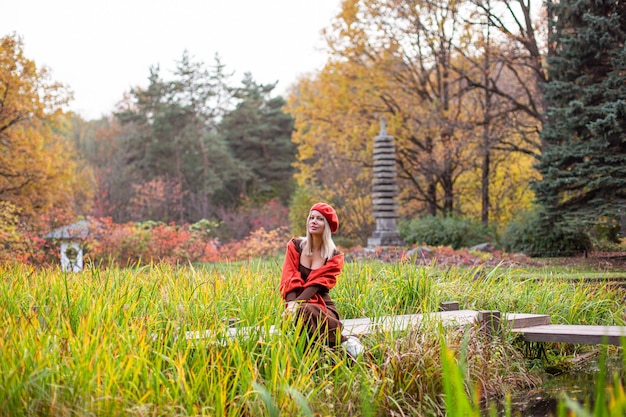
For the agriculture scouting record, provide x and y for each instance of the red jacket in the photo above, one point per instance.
(326, 275)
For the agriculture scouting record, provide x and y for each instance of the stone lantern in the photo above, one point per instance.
(71, 244)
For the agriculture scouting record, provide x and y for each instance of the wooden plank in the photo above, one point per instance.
(363, 326)
(357, 327)
(449, 306)
(584, 334)
(489, 322)
(447, 318)
(521, 320)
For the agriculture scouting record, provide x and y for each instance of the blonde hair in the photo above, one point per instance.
(328, 245)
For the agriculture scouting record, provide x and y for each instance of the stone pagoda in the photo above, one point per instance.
(384, 192)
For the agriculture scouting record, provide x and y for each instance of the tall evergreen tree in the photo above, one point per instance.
(258, 133)
(583, 163)
(170, 135)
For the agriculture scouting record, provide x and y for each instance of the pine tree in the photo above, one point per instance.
(583, 162)
(258, 133)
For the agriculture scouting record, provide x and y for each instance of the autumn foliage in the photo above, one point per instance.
(129, 244)
(39, 169)
(135, 243)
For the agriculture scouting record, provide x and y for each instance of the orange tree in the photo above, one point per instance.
(39, 174)
(410, 62)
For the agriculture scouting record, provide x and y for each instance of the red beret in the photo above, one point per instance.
(329, 214)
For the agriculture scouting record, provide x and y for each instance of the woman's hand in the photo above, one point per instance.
(290, 310)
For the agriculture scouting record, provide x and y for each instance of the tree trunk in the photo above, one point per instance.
(432, 197)
(484, 213)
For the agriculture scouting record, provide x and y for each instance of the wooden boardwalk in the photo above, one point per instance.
(363, 326)
(530, 327)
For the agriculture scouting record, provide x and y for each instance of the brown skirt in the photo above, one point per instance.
(320, 325)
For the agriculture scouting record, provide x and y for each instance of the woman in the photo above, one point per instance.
(312, 265)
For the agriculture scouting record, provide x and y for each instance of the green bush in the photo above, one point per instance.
(533, 234)
(453, 231)
(606, 237)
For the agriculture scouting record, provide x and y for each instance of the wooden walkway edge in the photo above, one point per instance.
(363, 326)
(568, 333)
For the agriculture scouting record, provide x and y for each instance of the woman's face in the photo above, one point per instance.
(315, 223)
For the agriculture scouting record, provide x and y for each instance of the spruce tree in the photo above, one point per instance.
(583, 161)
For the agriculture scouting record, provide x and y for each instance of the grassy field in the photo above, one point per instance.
(112, 341)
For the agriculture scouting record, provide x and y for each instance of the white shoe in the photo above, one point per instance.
(353, 346)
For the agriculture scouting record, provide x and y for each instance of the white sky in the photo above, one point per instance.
(101, 49)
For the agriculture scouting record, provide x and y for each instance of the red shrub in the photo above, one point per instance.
(131, 243)
(118, 244)
(259, 244)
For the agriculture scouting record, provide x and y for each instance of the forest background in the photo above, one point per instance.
(502, 111)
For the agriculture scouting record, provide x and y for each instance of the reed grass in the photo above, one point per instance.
(113, 341)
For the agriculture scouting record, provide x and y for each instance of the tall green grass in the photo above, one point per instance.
(113, 341)
(567, 301)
